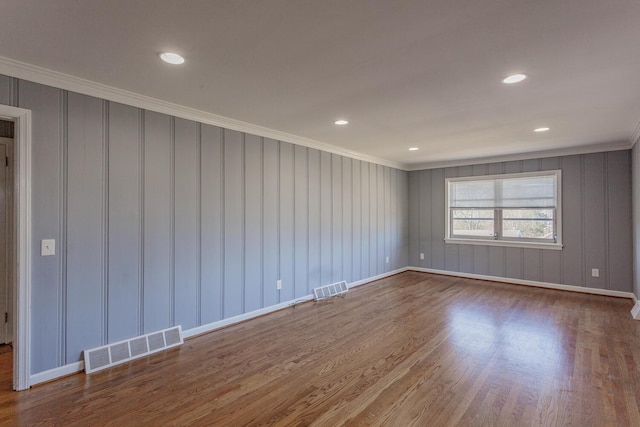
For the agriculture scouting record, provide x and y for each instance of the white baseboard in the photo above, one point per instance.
(635, 311)
(378, 277)
(52, 374)
(556, 286)
(209, 327)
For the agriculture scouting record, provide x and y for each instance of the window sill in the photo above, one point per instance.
(506, 243)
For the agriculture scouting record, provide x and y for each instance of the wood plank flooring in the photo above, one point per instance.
(414, 349)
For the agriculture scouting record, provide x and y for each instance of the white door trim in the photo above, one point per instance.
(22, 247)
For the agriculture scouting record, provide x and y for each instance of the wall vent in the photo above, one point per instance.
(109, 355)
(330, 290)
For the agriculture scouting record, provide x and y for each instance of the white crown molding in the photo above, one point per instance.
(22, 70)
(583, 149)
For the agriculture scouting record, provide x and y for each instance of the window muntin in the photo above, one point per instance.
(521, 208)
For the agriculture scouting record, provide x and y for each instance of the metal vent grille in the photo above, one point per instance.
(330, 290)
(156, 341)
(113, 354)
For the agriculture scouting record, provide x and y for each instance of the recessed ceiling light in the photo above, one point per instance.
(171, 58)
(514, 78)
(413, 149)
(543, 129)
(341, 122)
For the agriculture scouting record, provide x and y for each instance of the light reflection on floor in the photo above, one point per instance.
(529, 344)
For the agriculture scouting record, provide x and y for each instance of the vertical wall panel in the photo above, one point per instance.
(365, 189)
(233, 285)
(212, 226)
(425, 206)
(336, 218)
(497, 261)
(386, 206)
(380, 206)
(403, 215)
(287, 240)
(158, 211)
(531, 165)
(572, 223)
(85, 230)
(301, 221)
(394, 253)
(415, 218)
(326, 229)
(594, 231)
(635, 215)
(270, 221)
(315, 239)
(125, 174)
(531, 264)
(347, 218)
(619, 220)
(374, 267)
(186, 223)
(438, 221)
(253, 223)
(357, 220)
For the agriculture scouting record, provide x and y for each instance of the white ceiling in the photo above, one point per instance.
(404, 73)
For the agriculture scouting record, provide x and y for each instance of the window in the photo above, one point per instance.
(507, 210)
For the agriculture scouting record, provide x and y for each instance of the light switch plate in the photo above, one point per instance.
(47, 247)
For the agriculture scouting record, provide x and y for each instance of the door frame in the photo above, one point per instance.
(22, 244)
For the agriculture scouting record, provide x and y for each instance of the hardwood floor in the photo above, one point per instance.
(413, 349)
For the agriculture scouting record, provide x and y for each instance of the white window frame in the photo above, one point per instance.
(557, 245)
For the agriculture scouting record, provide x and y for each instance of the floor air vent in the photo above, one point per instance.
(330, 290)
(109, 355)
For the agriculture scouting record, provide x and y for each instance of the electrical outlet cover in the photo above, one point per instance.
(47, 247)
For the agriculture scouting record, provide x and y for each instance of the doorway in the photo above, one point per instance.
(18, 257)
(6, 233)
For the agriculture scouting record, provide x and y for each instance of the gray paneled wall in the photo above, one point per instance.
(163, 221)
(597, 226)
(635, 168)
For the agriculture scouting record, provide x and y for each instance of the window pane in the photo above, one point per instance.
(472, 194)
(528, 192)
(472, 222)
(528, 223)
(512, 192)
